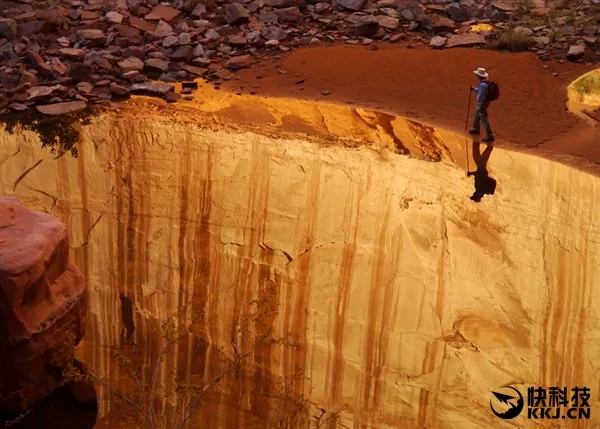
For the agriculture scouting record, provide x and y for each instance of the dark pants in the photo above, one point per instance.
(481, 116)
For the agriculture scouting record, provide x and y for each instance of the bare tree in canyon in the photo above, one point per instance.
(169, 399)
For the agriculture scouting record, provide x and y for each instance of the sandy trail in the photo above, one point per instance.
(433, 86)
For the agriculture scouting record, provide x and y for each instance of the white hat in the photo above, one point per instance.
(481, 72)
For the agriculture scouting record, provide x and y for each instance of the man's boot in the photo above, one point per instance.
(473, 131)
(488, 139)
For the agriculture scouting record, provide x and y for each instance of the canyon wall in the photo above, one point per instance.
(396, 300)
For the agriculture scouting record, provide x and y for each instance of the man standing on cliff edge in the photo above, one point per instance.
(483, 102)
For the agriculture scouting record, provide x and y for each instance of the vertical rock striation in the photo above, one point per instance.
(398, 301)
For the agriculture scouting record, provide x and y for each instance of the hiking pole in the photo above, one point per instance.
(467, 154)
(466, 126)
(468, 110)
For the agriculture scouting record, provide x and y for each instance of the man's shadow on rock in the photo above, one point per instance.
(484, 184)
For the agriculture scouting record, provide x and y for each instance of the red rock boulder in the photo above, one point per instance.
(43, 305)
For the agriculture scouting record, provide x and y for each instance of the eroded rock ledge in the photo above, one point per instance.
(43, 304)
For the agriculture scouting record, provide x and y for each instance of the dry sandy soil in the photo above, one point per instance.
(433, 86)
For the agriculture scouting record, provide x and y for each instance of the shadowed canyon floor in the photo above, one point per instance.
(336, 249)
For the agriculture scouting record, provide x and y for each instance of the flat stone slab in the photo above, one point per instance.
(155, 89)
(467, 39)
(62, 108)
(163, 12)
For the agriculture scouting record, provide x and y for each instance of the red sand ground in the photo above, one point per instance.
(432, 85)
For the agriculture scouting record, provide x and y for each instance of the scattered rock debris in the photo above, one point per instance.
(65, 54)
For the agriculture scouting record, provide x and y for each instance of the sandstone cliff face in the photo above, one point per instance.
(402, 303)
(43, 303)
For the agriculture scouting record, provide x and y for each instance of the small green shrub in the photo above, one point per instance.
(524, 6)
(555, 14)
(537, 22)
(555, 35)
(512, 42)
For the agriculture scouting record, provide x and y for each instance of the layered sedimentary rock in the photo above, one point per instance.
(398, 301)
(43, 304)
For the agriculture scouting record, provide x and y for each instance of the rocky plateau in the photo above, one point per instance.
(59, 57)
